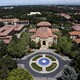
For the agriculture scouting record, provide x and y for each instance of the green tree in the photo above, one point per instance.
(6, 65)
(19, 74)
(3, 71)
(69, 74)
(65, 44)
(9, 62)
(3, 48)
(32, 45)
(1, 24)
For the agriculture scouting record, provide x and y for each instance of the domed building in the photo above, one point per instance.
(44, 34)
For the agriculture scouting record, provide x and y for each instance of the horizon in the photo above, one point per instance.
(37, 2)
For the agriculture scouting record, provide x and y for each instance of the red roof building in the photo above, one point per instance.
(75, 34)
(5, 32)
(44, 34)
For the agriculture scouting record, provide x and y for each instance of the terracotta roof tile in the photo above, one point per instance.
(77, 28)
(23, 21)
(18, 27)
(32, 30)
(77, 40)
(9, 20)
(44, 23)
(74, 33)
(55, 30)
(44, 32)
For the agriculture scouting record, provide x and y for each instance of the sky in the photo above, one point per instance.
(38, 2)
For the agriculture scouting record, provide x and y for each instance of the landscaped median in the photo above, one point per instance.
(43, 63)
(51, 57)
(36, 67)
(36, 57)
(51, 67)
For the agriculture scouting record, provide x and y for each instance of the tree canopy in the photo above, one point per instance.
(19, 74)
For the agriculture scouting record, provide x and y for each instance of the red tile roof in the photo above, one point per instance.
(23, 21)
(44, 23)
(44, 32)
(32, 30)
(74, 33)
(55, 30)
(4, 31)
(6, 39)
(77, 40)
(18, 27)
(9, 20)
(65, 15)
(7, 31)
(77, 28)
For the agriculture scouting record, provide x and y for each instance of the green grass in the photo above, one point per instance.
(51, 57)
(53, 66)
(36, 57)
(36, 67)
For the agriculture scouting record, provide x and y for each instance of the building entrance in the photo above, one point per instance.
(44, 42)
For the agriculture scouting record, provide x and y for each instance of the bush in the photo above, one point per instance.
(36, 67)
(29, 50)
(51, 57)
(36, 57)
(53, 66)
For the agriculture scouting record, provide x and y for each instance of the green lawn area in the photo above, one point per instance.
(36, 67)
(51, 57)
(53, 66)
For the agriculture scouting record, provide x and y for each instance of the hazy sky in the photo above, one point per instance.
(33, 2)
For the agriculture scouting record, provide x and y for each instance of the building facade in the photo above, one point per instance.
(44, 34)
(75, 34)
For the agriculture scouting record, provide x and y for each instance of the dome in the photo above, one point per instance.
(44, 24)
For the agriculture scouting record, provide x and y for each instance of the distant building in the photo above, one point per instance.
(67, 16)
(34, 13)
(6, 32)
(14, 21)
(25, 22)
(75, 34)
(9, 21)
(44, 34)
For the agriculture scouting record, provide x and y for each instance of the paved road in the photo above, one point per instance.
(25, 62)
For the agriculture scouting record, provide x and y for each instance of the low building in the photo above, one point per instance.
(34, 13)
(6, 32)
(14, 21)
(25, 22)
(9, 21)
(67, 16)
(75, 34)
(44, 34)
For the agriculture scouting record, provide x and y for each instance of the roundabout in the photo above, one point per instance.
(45, 64)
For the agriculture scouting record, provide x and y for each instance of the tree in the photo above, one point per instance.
(3, 71)
(19, 74)
(76, 61)
(32, 45)
(3, 48)
(9, 62)
(65, 44)
(6, 65)
(68, 74)
(1, 24)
